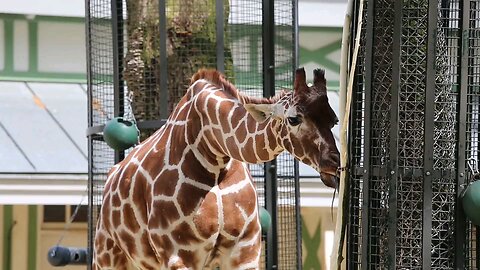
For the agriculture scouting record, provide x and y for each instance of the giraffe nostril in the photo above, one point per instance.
(335, 158)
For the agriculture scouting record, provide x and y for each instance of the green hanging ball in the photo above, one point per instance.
(265, 220)
(120, 134)
(471, 202)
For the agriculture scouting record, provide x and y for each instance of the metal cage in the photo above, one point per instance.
(414, 125)
(252, 41)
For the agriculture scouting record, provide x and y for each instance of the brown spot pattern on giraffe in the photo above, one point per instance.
(128, 242)
(194, 169)
(166, 186)
(189, 198)
(129, 218)
(116, 218)
(189, 258)
(138, 197)
(184, 235)
(163, 213)
(206, 227)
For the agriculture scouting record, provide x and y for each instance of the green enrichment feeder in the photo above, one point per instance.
(120, 134)
(265, 220)
(471, 202)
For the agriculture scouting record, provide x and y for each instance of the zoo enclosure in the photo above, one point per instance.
(139, 65)
(413, 129)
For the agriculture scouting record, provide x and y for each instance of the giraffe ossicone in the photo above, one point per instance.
(184, 197)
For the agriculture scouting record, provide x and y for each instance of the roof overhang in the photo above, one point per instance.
(43, 189)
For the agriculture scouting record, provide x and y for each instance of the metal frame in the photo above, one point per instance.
(268, 36)
(363, 241)
(117, 42)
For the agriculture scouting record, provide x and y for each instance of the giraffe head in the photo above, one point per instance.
(305, 121)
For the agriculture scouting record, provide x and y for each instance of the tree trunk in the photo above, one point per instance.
(191, 44)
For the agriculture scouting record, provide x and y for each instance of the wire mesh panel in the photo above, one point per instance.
(100, 99)
(472, 244)
(414, 91)
(142, 55)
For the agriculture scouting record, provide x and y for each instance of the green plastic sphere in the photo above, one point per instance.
(265, 220)
(471, 202)
(120, 134)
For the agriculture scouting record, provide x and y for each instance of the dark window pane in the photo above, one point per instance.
(54, 213)
(82, 214)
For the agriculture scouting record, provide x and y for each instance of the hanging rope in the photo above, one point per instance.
(128, 113)
(72, 218)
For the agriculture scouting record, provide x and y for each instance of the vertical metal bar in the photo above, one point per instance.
(430, 86)
(295, 35)
(268, 54)
(353, 234)
(298, 217)
(393, 145)
(117, 55)
(220, 40)
(367, 231)
(91, 222)
(460, 221)
(117, 46)
(162, 33)
(477, 245)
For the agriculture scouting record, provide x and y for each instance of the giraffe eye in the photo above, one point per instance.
(294, 120)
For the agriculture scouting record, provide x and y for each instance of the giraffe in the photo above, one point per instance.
(184, 197)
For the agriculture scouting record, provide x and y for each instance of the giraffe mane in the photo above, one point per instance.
(218, 79)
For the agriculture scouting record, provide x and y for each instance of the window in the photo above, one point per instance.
(63, 214)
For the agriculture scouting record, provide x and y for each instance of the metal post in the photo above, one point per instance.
(89, 137)
(366, 200)
(220, 40)
(354, 127)
(296, 165)
(460, 221)
(393, 147)
(268, 47)
(162, 33)
(430, 86)
(117, 56)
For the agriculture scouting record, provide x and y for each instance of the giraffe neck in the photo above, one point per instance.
(230, 132)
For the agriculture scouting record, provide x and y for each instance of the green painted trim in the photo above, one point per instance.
(7, 239)
(32, 46)
(320, 29)
(43, 18)
(8, 46)
(61, 19)
(10, 74)
(32, 237)
(44, 77)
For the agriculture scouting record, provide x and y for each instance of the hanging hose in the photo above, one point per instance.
(62, 256)
(345, 98)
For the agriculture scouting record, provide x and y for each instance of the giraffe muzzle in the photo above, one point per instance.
(330, 179)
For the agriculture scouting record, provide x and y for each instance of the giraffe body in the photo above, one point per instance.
(184, 198)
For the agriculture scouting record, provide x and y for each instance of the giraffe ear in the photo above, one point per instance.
(261, 112)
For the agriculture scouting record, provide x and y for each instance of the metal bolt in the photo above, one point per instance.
(392, 172)
(365, 171)
(427, 173)
(462, 174)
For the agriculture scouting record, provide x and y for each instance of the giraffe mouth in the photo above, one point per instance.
(330, 179)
